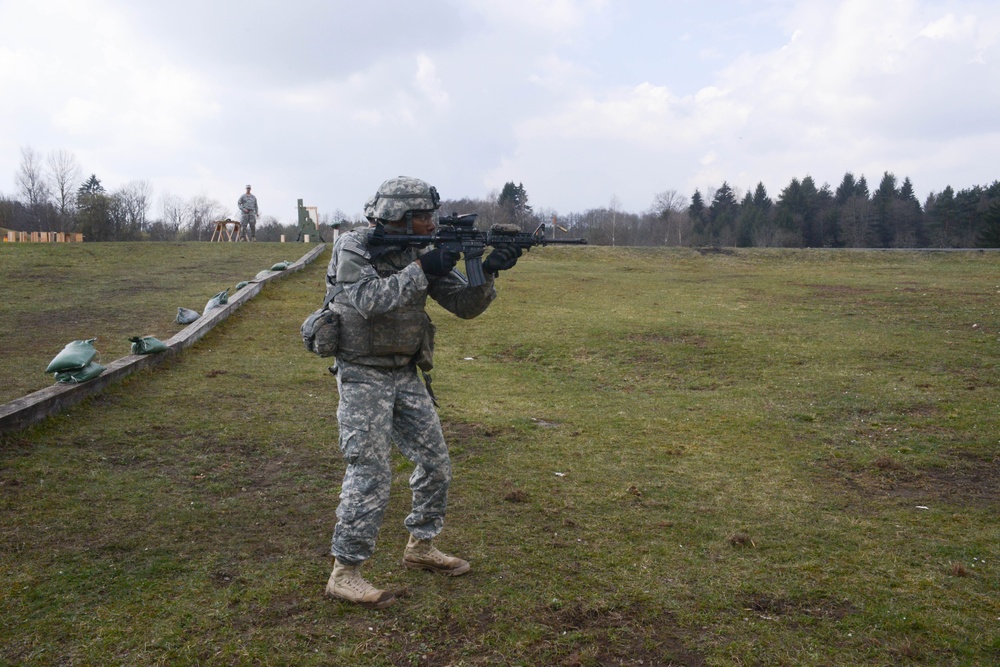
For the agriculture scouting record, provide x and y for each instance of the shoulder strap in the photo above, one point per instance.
(332, 294)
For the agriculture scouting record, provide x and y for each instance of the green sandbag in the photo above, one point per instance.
(241, 285)
(217, 301)
(88, 372)
(281, 266)
(262, 274)
(74, 356)
(147, 345)
(187, 316)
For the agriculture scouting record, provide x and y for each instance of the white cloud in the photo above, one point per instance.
(553, 16)
(429, 83)
(950, 28)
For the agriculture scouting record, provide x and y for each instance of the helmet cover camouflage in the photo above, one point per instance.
(398, 196)
(370, 207)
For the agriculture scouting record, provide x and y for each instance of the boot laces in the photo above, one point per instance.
(355, 582)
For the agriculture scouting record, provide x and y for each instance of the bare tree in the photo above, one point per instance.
(489, 211)
(30, 180)
(172, 211)
(64, 176)
(134, 200)
(613, 207)
(199, 213)
(167, 226)
(668, 207)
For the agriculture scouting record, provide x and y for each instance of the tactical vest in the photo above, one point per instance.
(393, 339)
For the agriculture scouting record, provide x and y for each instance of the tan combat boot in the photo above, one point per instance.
(347, 583)
(422, 555)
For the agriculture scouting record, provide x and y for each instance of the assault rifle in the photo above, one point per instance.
(458, 234)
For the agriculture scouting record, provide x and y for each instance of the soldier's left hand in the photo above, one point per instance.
(502, 258)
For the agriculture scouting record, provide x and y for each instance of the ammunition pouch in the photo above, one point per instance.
(321, 332)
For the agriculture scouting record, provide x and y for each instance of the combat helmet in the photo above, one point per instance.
(401, 195)
(370, 208)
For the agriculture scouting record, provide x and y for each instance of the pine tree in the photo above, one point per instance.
(723, 213)
(847, 189)
(885, 219)
(91, 186)
(696, 212)
(862, 188)
(513, 202)
(989, 235)
(760, 198)
(94, 208)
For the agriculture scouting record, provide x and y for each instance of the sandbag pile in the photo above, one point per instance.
(75, 363)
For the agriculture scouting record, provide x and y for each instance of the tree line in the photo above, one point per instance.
(850, 216)
(54, 196)
(803, 215)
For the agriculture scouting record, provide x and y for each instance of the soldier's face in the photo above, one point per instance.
(423, 224)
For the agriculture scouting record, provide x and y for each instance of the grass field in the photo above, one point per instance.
(661, 457)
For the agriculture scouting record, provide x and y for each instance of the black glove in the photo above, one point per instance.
(502, 258)
(438, 262)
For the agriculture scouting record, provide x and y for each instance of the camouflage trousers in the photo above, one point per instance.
(248, 225)
(380, 407)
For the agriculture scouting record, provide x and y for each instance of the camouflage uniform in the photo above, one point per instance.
(382, 401)
(247, 204)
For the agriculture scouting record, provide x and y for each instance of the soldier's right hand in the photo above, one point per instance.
(438, 262)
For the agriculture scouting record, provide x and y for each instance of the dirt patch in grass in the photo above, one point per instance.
(964, 480)
(967, 482)
(575, 634)
(663, 338)
(463, 433)
(631, 634)
(773, 606)
(517, 496)
(465, 439)
(837, 290)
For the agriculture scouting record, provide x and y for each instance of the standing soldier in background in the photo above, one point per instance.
(379, 293)
(247, 204)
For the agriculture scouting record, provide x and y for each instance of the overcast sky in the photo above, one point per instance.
(582, 101)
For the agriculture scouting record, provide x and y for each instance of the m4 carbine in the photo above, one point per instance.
(458, 234)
